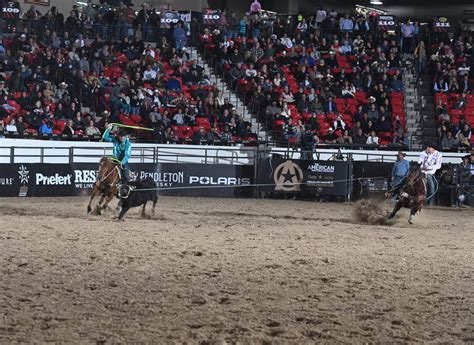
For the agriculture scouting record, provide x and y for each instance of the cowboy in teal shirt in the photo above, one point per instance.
(122, 149)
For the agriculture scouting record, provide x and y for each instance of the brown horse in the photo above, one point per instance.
(108, 181)
(412, 194)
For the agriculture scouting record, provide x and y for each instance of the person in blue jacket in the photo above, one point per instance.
(399, 172)
(179, 35)
(122, 149)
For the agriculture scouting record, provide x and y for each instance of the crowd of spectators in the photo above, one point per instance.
(68, 85)
(333, 76)
(451, 64)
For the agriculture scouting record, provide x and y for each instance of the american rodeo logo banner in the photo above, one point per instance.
(327, 178)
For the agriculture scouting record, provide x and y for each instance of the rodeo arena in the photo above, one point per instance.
(236, 172)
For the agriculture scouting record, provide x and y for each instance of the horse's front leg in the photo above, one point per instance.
(397, 208)
(109, 198)
(95, 191)
(413, 212)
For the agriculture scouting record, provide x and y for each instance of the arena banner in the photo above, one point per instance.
(441, 24)
(11, 10)
(14, 179)
(185, 16)
(213, 17)
(386, 23)
(200, 180)
(169, 17)
(324, 178)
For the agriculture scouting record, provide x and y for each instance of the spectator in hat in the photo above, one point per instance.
(330, 137)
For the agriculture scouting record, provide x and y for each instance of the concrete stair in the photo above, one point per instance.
(420, 111)
(242, 109)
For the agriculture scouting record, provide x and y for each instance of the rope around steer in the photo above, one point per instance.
(250, 185)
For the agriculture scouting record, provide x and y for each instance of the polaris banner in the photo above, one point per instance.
(45, 180)
(213, 17)
(386, 23)
(324, 178)
(441, 24)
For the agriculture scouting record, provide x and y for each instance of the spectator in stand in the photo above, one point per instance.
(408, 32)
(346, 24)
(372, 139)
(45, 128)
(320, 16)
(441, 86)
(255, 7)
(345, 138)
(373, 112)
(466, 86)
(11, 126)
(179, 35)
(400, 169)
(463, 142)
(330, 137)
(69, 129)
(330, 106)
(359, 137)
(339, 123)
(173, 84)
(92, 130)
(20, 125)
(465, 132)
(449, 143)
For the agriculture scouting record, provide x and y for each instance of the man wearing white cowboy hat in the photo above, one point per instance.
(430, 160)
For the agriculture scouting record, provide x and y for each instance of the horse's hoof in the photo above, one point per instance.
(411, 221)
(89, 209)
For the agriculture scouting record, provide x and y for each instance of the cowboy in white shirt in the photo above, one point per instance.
(430, 161)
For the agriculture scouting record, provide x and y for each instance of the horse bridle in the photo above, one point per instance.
(114, 183)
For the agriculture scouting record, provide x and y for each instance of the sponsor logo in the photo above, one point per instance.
(442, 19)
(84, 179)
(6, 181)
(24, 175)
(316, 167)
(219, 181)
(288, 177)
(55, 180)
(163, 179)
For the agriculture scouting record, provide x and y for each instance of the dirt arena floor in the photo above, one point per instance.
(215, 271)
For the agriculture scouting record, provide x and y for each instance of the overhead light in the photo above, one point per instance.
(376, 2)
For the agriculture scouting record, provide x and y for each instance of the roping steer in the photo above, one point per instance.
(137, 193)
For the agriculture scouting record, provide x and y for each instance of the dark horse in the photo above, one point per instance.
(412, 194)
(108, 181)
